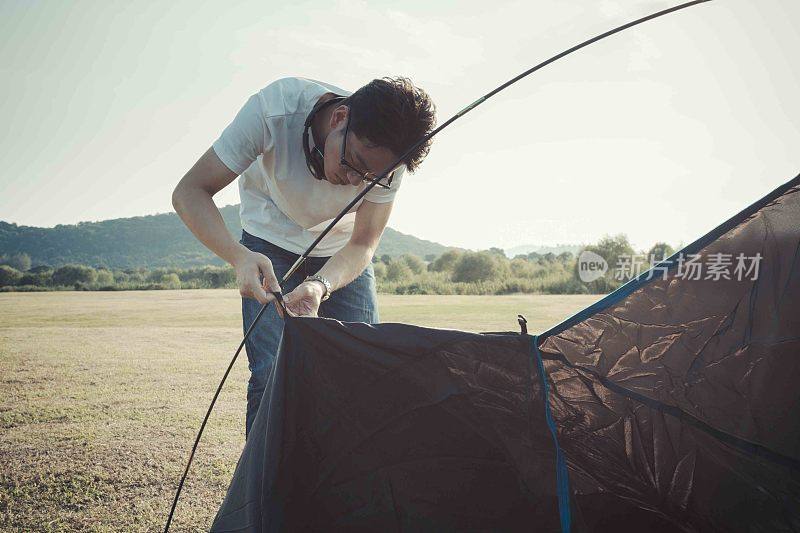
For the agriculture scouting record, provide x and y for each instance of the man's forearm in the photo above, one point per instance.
(346, 264)
(200, 214)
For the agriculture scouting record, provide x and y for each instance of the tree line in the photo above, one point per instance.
(14, 277)
(452, 272)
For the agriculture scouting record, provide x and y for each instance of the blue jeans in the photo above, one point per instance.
(356, 302)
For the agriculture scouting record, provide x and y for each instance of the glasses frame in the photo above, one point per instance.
(365, 176)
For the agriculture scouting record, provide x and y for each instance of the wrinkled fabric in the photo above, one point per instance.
(683, 398)
(676, 405)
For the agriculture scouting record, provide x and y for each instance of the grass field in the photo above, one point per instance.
(102, 394)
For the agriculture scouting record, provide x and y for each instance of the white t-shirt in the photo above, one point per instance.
(281, 202)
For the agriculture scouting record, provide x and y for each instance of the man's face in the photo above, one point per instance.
(363, 156)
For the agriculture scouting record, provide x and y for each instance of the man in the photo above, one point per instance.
(303, 149)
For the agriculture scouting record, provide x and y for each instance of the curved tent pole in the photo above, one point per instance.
(469, 108)
(302, 258)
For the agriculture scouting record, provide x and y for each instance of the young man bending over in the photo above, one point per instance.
(302, 150)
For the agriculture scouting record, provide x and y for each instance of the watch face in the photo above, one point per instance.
(324, 282)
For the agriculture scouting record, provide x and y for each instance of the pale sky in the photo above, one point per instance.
(660, 132)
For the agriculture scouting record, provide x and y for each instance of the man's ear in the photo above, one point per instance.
(339, 116)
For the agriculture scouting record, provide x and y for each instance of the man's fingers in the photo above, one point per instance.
(257, 280)
(261, 295)
(268, 280)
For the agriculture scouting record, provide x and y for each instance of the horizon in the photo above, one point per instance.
(686, 119)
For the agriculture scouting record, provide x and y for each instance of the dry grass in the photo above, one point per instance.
(102, 394)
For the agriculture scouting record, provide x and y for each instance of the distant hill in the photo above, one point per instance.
(150, 241)
(557, 249)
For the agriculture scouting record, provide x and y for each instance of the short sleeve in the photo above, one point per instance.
(245, 138)
(380, 195)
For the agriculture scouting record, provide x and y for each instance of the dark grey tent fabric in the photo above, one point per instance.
(676, 403)
(394, 427)
(683, 397)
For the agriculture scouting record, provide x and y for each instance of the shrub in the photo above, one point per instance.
(219, 276)
(480, 266)
(398, 271)
(445, 262)
(104, 277)
(414, 263)
(39, 280)
(567, 286)
(412, 288)
(613, 248)
(18, 261)
(23, 288)
(521, 268)
(171, 281)
(659, 252)
(136, 275)
(380, 270)
(9, 275)
(72, 274)
(156, 275)
(517, 285)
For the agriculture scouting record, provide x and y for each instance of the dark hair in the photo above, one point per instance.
(394, 114)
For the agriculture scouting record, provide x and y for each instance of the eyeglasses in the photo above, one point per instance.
(365, 176)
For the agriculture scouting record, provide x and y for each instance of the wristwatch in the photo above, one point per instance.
(317, 277)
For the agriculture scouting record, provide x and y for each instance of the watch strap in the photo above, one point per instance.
(325, 282)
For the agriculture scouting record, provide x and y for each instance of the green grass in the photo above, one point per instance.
(101, 394)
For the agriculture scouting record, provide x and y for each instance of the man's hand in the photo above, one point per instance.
(255, 276)
(304, 300)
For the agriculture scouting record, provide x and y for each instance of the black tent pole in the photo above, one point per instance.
(302, 258)
(469, 108)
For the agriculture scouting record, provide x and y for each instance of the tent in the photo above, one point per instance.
(672, 404)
